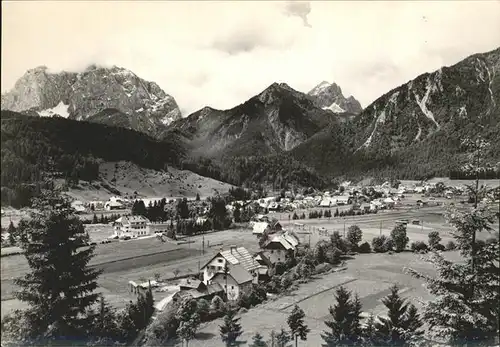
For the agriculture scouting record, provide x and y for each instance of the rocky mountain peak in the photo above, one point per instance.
(329, 97)
(81, 95)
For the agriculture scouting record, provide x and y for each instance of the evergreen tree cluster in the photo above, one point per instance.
(103, 219)
(401, 327)
(155, 211)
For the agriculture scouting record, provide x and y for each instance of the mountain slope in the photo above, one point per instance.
(276, 120)
(36, 148)
(328, 96)
(416, 130)
(84, 95)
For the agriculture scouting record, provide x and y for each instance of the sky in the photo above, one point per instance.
(220, 54)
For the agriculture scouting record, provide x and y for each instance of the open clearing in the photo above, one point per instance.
(129, 179)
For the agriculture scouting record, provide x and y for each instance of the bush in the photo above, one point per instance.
(491, 240)
(480, 243)
(419, 246)
(398, 236)
(364, 248)
(434, 239)
(378, 244)
(217, 305)
(450, 246)
(333, 255)
(338, 242)
(203, 309)
(389, 245)
(439, 247)
(164, 327)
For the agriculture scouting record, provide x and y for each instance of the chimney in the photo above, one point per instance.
(233, 247)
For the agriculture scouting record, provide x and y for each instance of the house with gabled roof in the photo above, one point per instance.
(234, 269)
(278, 248)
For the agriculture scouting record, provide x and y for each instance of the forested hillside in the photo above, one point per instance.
(34, 149)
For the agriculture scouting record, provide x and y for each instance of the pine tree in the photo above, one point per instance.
(369, 332)
(282, 338)
(237, 213)
(59, 288)
(105, 328)
(402, 324)
(12, 233)
(197, 197)
(296, 324)
(465, 309)
(345, 323)
(94, 219)
(231, 329)
(258, 341)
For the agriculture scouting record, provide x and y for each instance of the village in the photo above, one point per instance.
(266, 240)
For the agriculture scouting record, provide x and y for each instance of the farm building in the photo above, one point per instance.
(234, 269)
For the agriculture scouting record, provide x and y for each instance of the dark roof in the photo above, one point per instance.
(238, 273)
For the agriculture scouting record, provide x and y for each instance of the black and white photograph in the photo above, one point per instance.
(250, 173)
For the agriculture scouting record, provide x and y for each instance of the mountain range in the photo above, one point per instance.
(113, 96)
(282, 135)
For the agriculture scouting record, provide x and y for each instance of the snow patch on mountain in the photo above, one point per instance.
(422, 103)
(334, 108)
(462, 111)
(61, 109)
(419, 133)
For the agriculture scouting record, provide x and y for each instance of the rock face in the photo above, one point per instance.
(460, 99)
(278, 119)
(416, 130)
(84, 95)
(329, 96)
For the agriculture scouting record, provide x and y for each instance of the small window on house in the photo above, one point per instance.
(219, 260)
(219, 268)
(232, 287)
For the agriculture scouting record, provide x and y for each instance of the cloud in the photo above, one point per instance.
(300, 9)
(219, 54)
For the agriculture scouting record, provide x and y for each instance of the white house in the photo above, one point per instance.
(131, 226)
(327, 202)
(341, 199)
(113, 205)
(234, 269)
(78, 206)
